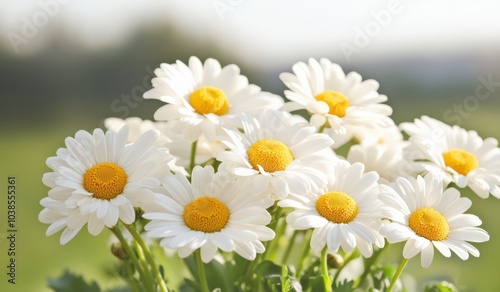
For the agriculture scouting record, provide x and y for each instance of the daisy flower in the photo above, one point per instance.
(138, 126)
(336, 101)
(98, 179)
(346, 213)
(382, 151)
(210, 213)
(278, 156)
(386, 160)
(202, 98)
(425, 216)
(455, 155)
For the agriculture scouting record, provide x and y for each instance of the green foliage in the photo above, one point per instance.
(70, 282)
(441, 287)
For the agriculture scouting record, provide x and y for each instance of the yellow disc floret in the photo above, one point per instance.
(460, 160)
(337, 207)
(430, 224)
(272, 155)
(209, 100)
(206, 214)
(336, 101)
(105, 180)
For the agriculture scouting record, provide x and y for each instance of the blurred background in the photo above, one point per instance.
(68, 65)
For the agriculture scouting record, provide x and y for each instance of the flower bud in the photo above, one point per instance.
(118, 251)
(334, 260)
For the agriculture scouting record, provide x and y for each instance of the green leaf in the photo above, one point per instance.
(345, 286)
(441, 287)
(70, 282)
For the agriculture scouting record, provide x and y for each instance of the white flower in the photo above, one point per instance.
(381, 150)
(346, 213)
(98, 179)
(277, 156)
(455, 155)
(426, 217)
(210, 213)
(337, 101)
(138, 126)
(202, 98)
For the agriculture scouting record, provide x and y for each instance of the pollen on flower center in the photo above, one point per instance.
(105, 180)
(206, 214)
(460, 160)
(209, 100)
(430, 224)
(272, 155)
(337, 207)
(336, 101)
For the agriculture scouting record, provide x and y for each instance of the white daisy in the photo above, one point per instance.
(456, 155)
(98, 179)
(426, 217)
(204, 97)
(277, 156)
(138, 126)
(382, 152)
(337, 101)
(346, 213)
(210, 213)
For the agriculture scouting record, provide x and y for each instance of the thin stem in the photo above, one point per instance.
(145, 277)
(322, 128)
(290, 246)
(325, 271)
(192, 162)
(305, 251)
(398, 273)
(149, 257)
(143, 262)
(201, 271)
(280, 229)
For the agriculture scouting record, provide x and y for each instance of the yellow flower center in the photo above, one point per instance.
(430, 224)
(337, 207)
(336, 101)
(209, 100)
(460, 160)
(105, 180)
(206, 214)
(271, 154)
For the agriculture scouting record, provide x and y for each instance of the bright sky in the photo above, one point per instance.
(273, 31)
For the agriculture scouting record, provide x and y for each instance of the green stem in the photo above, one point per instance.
(305, 251)
(145, 277)
(192, 162)
(396, 276)
(280, 229)
(149, 257)
(327, 281)
(322, 128)
(201, 271)
(290, 246)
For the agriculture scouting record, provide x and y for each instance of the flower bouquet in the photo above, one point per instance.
(239, 190)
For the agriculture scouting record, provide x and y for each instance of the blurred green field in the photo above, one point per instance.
(38, 257)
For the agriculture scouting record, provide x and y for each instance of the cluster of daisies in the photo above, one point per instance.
(223, 154)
